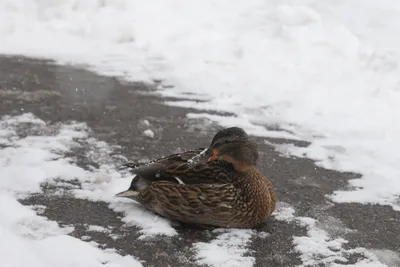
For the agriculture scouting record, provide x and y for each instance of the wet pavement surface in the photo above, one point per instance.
(114, 109)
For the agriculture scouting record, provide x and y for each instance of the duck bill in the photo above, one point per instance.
(128, 193)
(213, 157)
(213, 154)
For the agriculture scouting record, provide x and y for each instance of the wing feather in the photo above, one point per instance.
(190, 167)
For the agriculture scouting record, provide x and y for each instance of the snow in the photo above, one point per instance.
(30, 240)
(145, 123)
(318, 247)
(389, 257)
(97, 228)
(323, 71)
(227, 249)
(32, 152)
(149, 133)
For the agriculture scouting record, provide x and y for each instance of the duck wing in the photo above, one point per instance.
(189, 167)
(160, 168)
(203, 172)
(166, 160)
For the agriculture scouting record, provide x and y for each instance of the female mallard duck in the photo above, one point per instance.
(217, 186)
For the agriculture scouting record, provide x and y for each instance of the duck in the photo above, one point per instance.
(216, 186)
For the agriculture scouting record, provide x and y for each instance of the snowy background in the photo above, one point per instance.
(326, 72)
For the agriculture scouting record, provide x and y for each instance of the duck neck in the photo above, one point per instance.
(246, 169)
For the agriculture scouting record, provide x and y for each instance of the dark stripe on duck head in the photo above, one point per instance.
(229, 135)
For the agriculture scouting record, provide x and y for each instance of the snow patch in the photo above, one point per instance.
(372, 187)
(318, 247)
(33, 152)
(145, 123)
(149, 133)
(389, 257)
(150, 223)
(97, 228)
(263, 234)
(44, 242)
(229, 248)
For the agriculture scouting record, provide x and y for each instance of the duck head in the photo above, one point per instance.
(234, 146)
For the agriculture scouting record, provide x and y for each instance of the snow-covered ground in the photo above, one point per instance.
(26, 238)
(322, 71)
(33, 151)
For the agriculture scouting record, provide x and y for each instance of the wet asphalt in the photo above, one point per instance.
(114, 109)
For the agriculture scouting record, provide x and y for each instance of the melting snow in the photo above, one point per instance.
(317, 247)
(26, 162)
(227, 249)
(148, 133)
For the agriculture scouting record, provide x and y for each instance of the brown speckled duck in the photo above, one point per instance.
(218, 186)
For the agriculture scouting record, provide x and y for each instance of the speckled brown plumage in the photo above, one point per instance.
(217, 186)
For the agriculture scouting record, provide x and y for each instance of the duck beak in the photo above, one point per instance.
(128, 193)
(214, 155)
